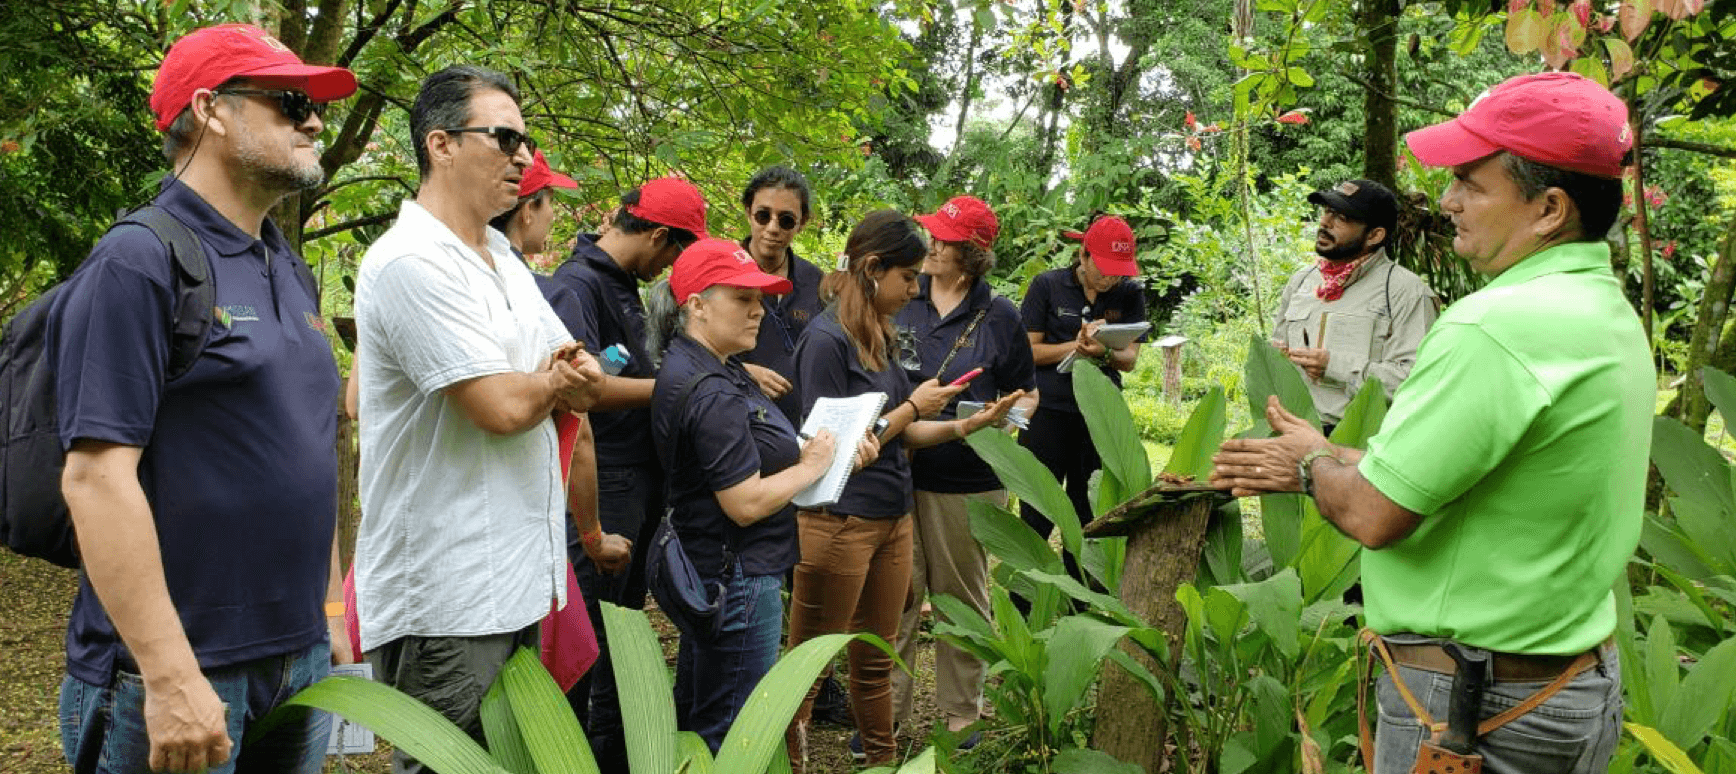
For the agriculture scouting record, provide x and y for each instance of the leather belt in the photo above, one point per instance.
(1507, 667)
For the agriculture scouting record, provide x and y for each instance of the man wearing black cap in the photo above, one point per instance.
(1355, 314)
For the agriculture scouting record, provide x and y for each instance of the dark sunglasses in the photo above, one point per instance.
(786, 221)
(296, 106)
(508, 138)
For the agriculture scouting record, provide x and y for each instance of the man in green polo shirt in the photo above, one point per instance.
(1503, 495)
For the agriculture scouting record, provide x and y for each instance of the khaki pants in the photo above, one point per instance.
(948, 560)
(853, 577)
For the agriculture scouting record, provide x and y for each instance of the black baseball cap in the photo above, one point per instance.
(1364, 200)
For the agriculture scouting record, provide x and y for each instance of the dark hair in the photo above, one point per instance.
(897, 242)
(1598, 199)
(629, 223)
(444, 102)
(499, 222)
(775, 178)
(974, 260)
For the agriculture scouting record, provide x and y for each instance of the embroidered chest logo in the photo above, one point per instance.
(238, 313)
(314, 321)
(799, 315)
(1112, 315)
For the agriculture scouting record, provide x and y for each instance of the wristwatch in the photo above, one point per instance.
(1305, 468)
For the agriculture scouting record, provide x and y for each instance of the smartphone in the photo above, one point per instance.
(965, 379)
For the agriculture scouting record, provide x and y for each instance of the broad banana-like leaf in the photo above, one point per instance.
(1663, 750)
(1113, 432)
(1199, 439)
(544, 718)
(1076, 653)
(408, 724)
(1033, 484)
(758, 733)
(642, 680)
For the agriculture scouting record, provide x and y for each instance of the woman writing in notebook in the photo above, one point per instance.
(1062, 310)
(854, 572)
(734, 463)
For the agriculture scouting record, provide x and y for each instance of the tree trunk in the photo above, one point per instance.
(970, 81)
(1163, 552)
(1642, 226)
(1379, 23)
(349, 508)
(1714, 310)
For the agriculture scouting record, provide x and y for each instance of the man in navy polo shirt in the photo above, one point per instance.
(205, 505)
(597, 296)
(1062, 310)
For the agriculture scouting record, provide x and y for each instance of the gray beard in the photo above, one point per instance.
(284, 177)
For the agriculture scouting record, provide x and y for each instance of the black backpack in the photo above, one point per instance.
(33, 516)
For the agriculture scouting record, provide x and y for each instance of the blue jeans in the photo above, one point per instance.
(629, 504)
(714, 677)
(102, 729)
(1574, 732)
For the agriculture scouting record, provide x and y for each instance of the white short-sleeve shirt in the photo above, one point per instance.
(462, 531)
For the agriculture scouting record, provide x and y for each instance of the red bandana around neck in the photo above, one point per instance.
(1335, 277)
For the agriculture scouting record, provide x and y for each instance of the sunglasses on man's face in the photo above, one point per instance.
(296, 106)
(508, 138)
(786, 221)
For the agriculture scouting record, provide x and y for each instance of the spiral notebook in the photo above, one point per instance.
(848, 419)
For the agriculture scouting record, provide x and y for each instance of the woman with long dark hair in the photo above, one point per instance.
(854, 572)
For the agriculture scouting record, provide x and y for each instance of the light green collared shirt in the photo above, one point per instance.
(1521, 437)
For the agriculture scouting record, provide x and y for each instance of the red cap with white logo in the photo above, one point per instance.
(711, 262)
(1109, 242)
(963, 219)
(207, 58)
(1560, 120)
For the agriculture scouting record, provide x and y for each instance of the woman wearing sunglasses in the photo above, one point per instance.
(854, 572)
(777, 202)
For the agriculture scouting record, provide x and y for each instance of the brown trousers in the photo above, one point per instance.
(854, 576)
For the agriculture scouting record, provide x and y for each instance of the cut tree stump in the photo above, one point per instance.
(1166, 533)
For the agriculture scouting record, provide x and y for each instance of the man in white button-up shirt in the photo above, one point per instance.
(461, 548)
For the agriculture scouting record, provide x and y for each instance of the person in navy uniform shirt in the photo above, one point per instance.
(956, 324)
(205, 505)
(854, 572)
(734, 465)
(598, 299)
(1062, 310)
(778, 205)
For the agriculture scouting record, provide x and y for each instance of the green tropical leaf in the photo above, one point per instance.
(1362, 417)
(1693, 470)
(1028, 480)
(1669, 547)
(1008, 537)
(1113, 431)
(1266, 373)
(758, 732)
(408, 724)
(1710, 533)
(1105, 558)
(1325, 555)
(1076, 760)
(499, 726)
(1076, 652)
(1200, 438)
(642, 680)
(695, 754)
(544, 718)
(1281, 518)
(1662, 750)
(1703, 699)
(1272, 713)
(1663, 671)
(1275, 607)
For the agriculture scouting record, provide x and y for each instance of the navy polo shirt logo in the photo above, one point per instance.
(800, 315)
(1062, 311)
(314, 321)
(1112, 315)
(241, 313)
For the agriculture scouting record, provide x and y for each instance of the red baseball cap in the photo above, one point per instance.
(719, 262)
(540, 176)
(963, 219)
(1109, 242)
(1557, 119)
(673, 202)
(206, 58)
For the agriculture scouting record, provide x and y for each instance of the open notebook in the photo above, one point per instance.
(848, 419)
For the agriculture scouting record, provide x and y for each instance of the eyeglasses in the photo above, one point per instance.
(296, 106)
(786, 221)
(508, 138)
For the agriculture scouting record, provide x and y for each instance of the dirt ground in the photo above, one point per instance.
(36, 597)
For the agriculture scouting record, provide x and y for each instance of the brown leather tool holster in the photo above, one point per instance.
(1432, 758)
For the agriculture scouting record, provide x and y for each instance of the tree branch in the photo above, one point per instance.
(370, 220)
(1356, 79)
(1691, 146)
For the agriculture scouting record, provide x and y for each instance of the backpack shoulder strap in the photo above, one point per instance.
(195, 291)
(681, 399)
